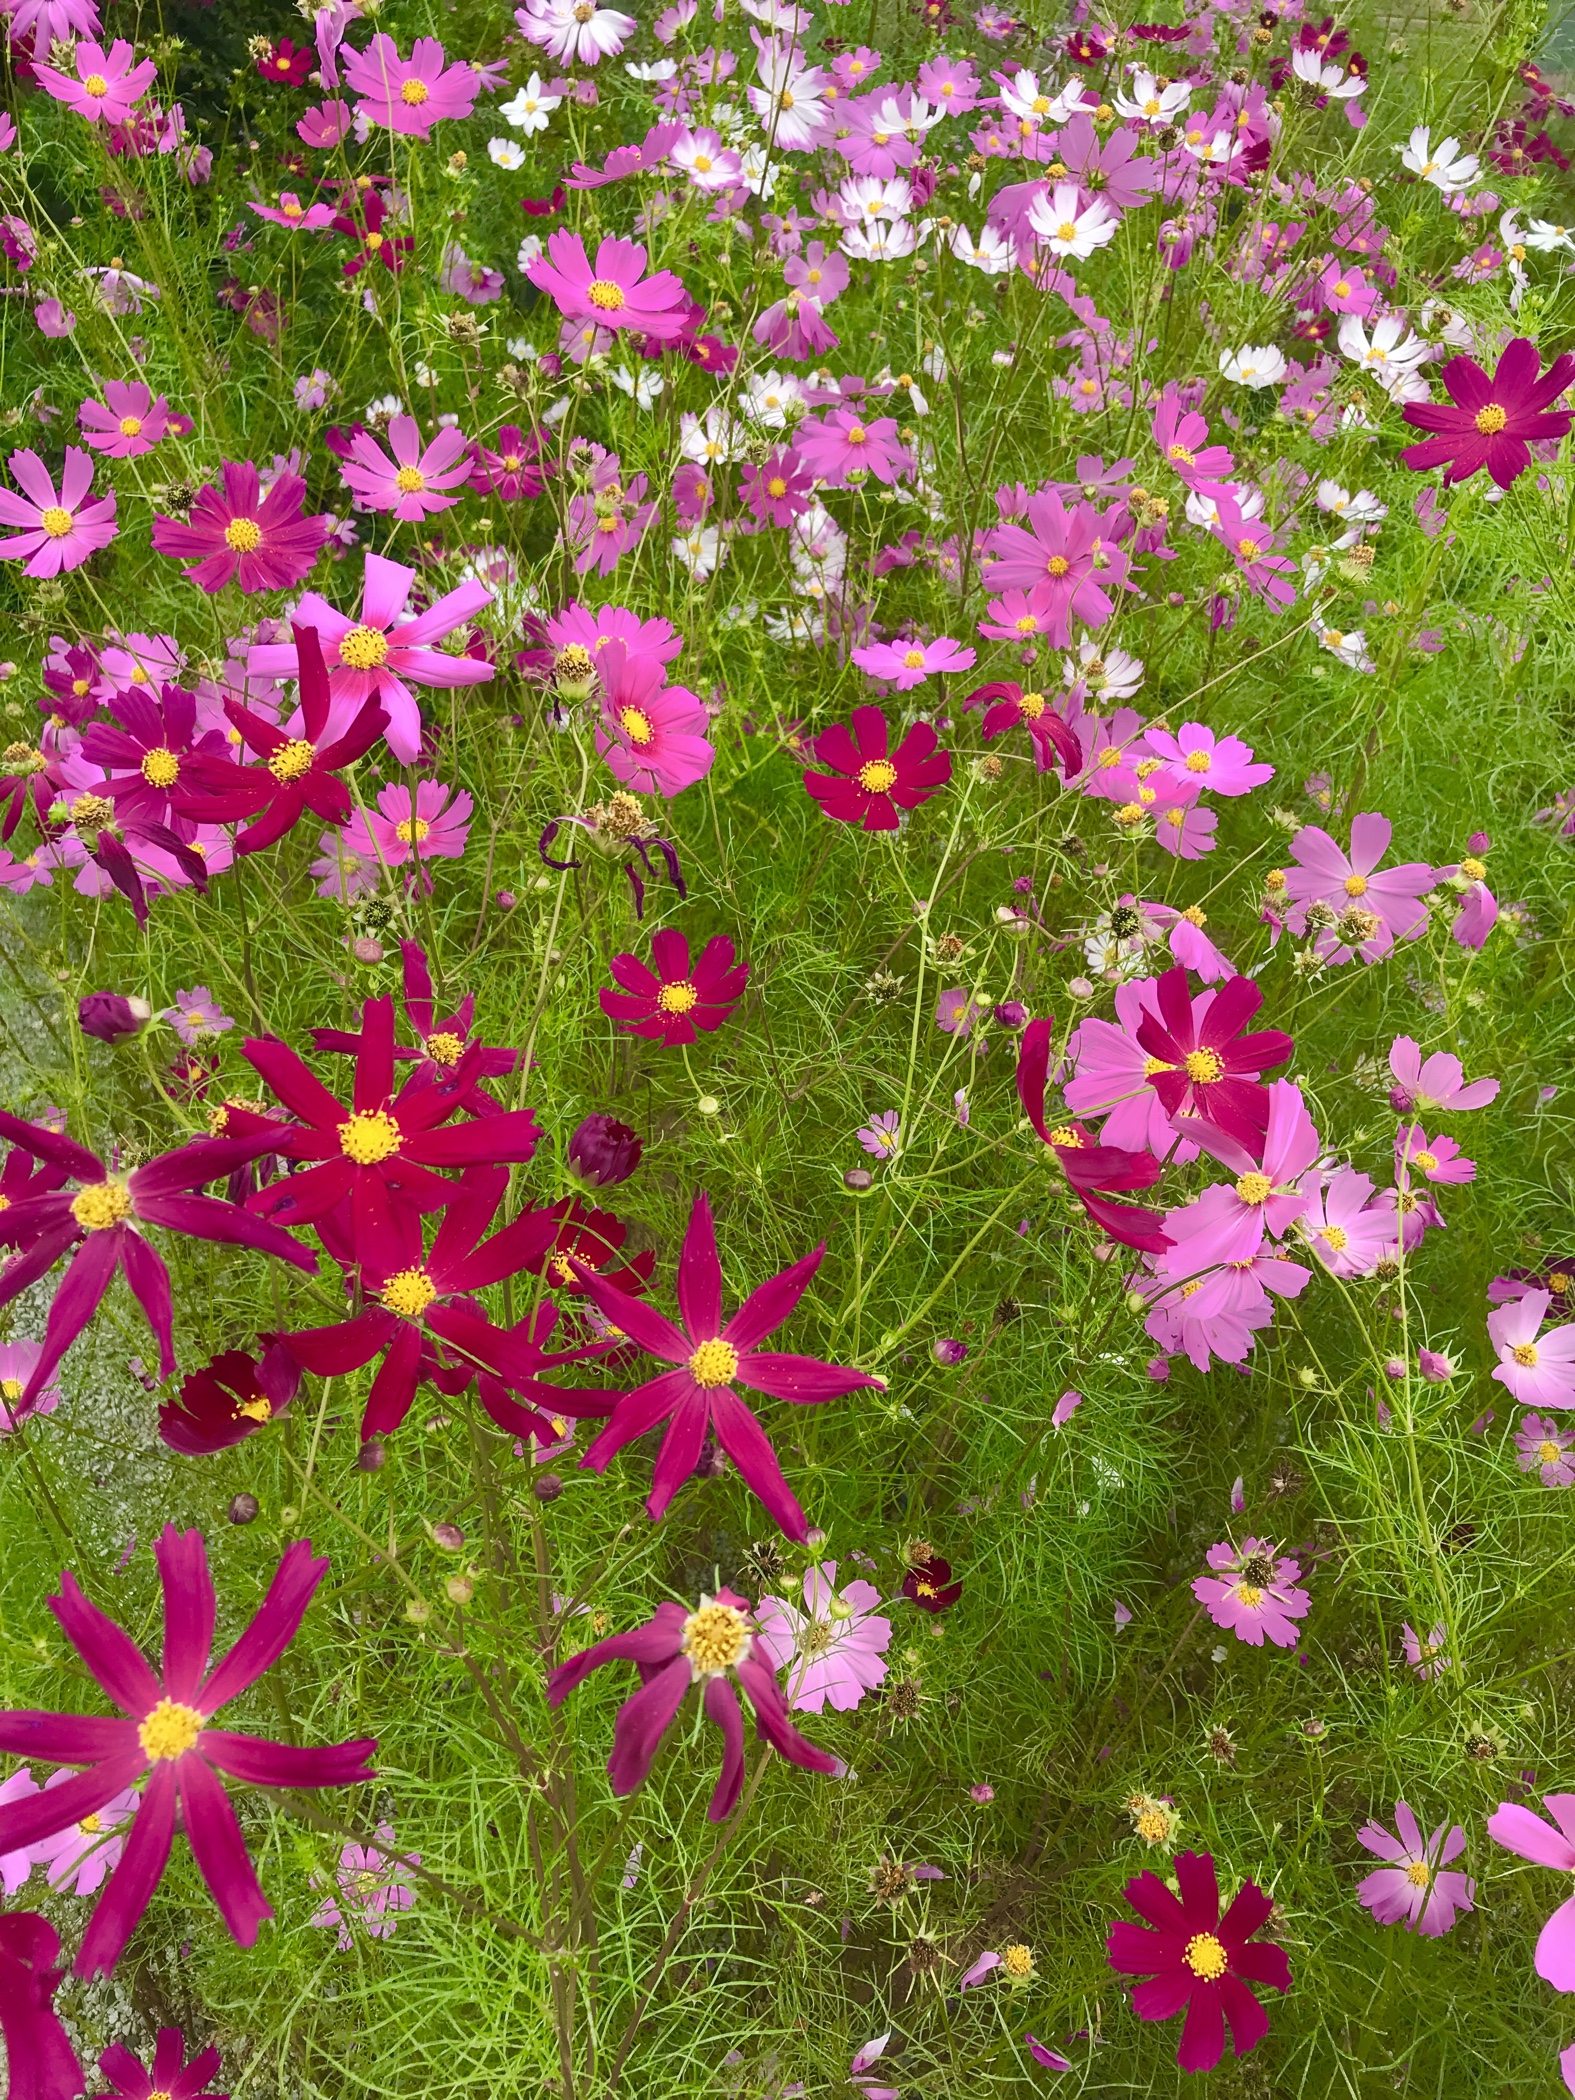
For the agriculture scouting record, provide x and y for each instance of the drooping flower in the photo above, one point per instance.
(443, 1039)
(1413, 1889)
(263, 542)
(862, 2075)
(1252, 1593)
(127, 422)
(168, 2077)
(1196, 1959)
(1436, 1083)
(708, 1357)
(1522, 1831)
(1493, 422)
(373, 1889)
(1014, 1964)
(653, 736)
(42, 2063)
(1093, 1171)
(411, 484)
(409, 95)
(168, 1736)
(716, 1645)
(868, 782)
(929, 1582)
(58, 530)
(1542, 1443)
(1537, 1368)
(229, 1399)
(832, 1649)
(673, 1002)
(1005, 706)
(614, 292)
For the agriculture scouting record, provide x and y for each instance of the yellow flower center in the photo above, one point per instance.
(160, 767)
(445, 1048)
(374, 241)
(1027, 623)
(363, 648)
(412, 831)
(636, 725)
(170, 1730)
(100, 1205)
(1064, 1134)
(1252, 1597)
(243, 535)
(1419, 1873)
(1203, 1067)
(857, 434)
(55, 521)
(1017, 1963)
(95, 85)
(1058, 565)
(702, 163)
(369, 1136)
(1427, 1161)
(291, 760)
(776, 486)
(713, 1363)
(131, 426)
(90, 1826)
(1199, 761)
(1356, 885)
(1492, 419)
(1254, 1188)
(1153, 1826)
(409, 1293)
(413, 93)
(1195, 915)
(607, 296)
(1524, 1353)
(1474, 870)
(913, 659)
(1335, 1238)
(1180, 454)
(715, 1637)
(876, 776)
(680, 998)
(410, 481)
(258, 1410)
(1547, 1451)
(11, 1388)
(1205, 1957)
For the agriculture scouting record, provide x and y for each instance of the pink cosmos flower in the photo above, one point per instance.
(381, 655)
(1251, 544)
(1537, 1368)
(18, 1361)
(1223, 764)
(1436, 1083)
(1231, 1221)
(126, 423)
(907, 664)
(1413, 1889)
(1065, 557)
(1202, 1063)
(1251, 1593)
(670, 1003)
(238, 534)
(108, 84)
(298, 217)
(1493, 422)
(833, 1648)
(1375, 908)
(408, 95)
(778, 490)
(707, 1357)
(1182, 828)
(614, 293)
(411, 483)
(373, 1890)
(1348, 1236)
(1523, 1831)
(1426, 1658)
(1436, 1159)
(58, 530)
(168, 2077)
(15, 1867)
(653, 736)
(844, 446)
(862, 2075)
(82, 1854)
(1183, 440)
(419, 825)
(575, 32)
(1542, 1443)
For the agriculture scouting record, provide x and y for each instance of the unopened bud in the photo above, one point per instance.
(547, 1487)
(418, 1611)
(112, 1018)
(459, 1589)
(243, 1510)
(448, 1536)
(371, 1458)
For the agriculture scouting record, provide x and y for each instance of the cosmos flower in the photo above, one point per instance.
(108, 86)
(228, 1400)
(409, 95)
(1436, 1083)
(1493, 422)
(1537, 1368)
(882, 1137)
(1413, 1889)
(653, 736)
(168, 1736)
(1093, 1171)
(1348, 1236)
(57, 530)
(18, 1361)
(707, 1357)
(411, 484)
(442, 1039)
(1005, 706)
(718, 1646)
(832, 1649)
(575, 32)
(614, 293)
(237, 534)
(1426, 1658)
(929, 1583)
(1196, 1959)
(844, 447)
(1068, 559)
(1437, 1159)
(1200, 1062)
(42, 2063)
(1542, 1443)
(126, 423)
(868, 782)
(675, 1001)
(1522, 1831)
(373, 1890)
(515, 470)
(168, 2077)
(426, 822)
(79, 1856)
(1251, 1593)
(907, 664)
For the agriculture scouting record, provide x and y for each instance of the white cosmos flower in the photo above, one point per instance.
(701, 551)
(530, 110)
(710, 440)
(1034, 106)
(1255, 365)
(1149, 103)
(1544, 236)
(642, 386)
(506, 153)
(574, 31)
(1349, 646)
(772, 399)
(1065, 229)
(1390, 349)
(880, 243)
(1443, 165)
(993, 252)
(1328, 79)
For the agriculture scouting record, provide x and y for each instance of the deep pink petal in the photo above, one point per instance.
(262, 1763)
(747, 1445)
(802, 1378)
(188, 1610)
(117, 1663)
(1203, 2036)
(220, 1850)
(137, 1875)
(700, 1274)
(765, 1309)
(642, 1721)
(23, 1823)
(721, 1705)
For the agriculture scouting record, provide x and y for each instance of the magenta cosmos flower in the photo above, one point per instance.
(104, 1219)
(832, 1650)
(1437, 1082)
(1009, 707)
(58, 530)
(126, 423)
(1412, 1889)
(614, 293)
(907, 664)
(108, 85)
(168, 1736)
(718, 1646)
(426, 822)
(844, 447)
(707, 1358)
(1200, 1063)
(1064, 559)
(235, 533)
(1374, 908)
(674, 1002)
(168, 2077)
(1196, 1959)
(653, 736)
(1523, 1831)
(869, 782)
(1251, 1593)
(1537, 1368)
(1493, 422)
(1094, 1172)
(43, 2064)
(411, 483)
(409, 95)
(381, 655)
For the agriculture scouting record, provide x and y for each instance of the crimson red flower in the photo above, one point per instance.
(1493, 421)
(168, 2077)
(167, 1736)
(1202, 1064)
(708, 1358)
(1196, 1959)
(372, 243)
(287, 63)
(589, 1237)
(103, 1219)
(42, 2063)
(1052, 738)
(674, 1002)
(674, 1650)
(298, 773)
(1090, 1169)
(930, 1586)
(230, 1398)
(869, 782)
(443, 1041)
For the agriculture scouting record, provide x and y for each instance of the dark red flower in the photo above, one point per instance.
(716, 1645)
(1203, 1065)
(674, 1002)
(1493, 421)
(603, 1151)
(1011, 707)
(869, 782)
(443, 1042)
(287, 63)
(372, 243)
(167, 1735)
(930, 1585)
(230, 1398)
(589, 1239)
(42, 2065)
(1196, 1959)
(1092, 1171)
(544, 207)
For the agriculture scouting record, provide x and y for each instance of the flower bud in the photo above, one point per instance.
(857, 1178)
(1435, 1367)
(604, 1151)
(418, 1611)
(839, 1611)
(709, 1105)
(448, 1536)
(1394, 1367)
(371, 1458)
(546, 1487)
(1080, 988)
(1010, 1013)
(365, 949)
(459, 1589)
(947, 1351)
(1479, 842)
(243, 1510)
(111, 1018)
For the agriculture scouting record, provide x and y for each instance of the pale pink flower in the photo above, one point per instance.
(1537, 1368)
(1426, 1658)
(575, 32)
(1412, 1889)
(1251, 1593)
(1522, 1831)
(1374, 907)
(19, 1360)
(58, 530)
(1348, 1237)
(832, 1650)
(411, 484)
(82, 1854)
(373, 1890)
(1542, 1443)
(1435, 1082)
